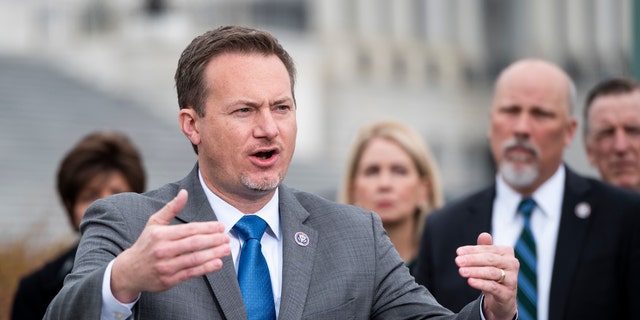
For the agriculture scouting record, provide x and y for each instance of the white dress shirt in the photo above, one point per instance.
(507, 224)
(271, 240)
(112, 309)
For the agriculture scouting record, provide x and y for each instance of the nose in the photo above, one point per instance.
(265, 126)
(384, 180)
(621, 143)
(522, 125)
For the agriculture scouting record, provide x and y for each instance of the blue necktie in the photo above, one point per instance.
(253, 272)
(525, 252)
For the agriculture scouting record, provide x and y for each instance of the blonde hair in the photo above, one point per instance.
(410, 141)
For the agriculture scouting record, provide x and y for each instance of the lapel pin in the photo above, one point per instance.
(583, 210)
(302, 239)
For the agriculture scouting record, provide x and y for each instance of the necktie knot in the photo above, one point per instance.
(250, 227)
(526, 207)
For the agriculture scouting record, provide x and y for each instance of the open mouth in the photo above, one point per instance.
(264, 155)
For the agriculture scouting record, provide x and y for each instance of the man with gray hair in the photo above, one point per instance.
(612, 131)
(576, 238)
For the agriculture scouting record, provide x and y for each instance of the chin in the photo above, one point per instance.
(264, 184)
(519, 175)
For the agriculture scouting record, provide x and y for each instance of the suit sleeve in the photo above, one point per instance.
(397, 295)
(105, 234)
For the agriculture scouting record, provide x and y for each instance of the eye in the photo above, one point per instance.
(541, 113)
(87, 196)
(282, 108)
(400, 170)
(632, 130)
(510, 109)
(371, 170)
(242, 112)
(605, 133)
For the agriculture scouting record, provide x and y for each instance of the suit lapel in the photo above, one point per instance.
(222, 283)
(571, 234)
(480, 212)
(297, 258)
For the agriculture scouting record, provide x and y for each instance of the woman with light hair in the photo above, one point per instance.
(391, 171)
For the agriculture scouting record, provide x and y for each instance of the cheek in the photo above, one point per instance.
(495, 142)
(78, 211)
(600, 150)
(555, 141)
(361, 192)
(410, 192)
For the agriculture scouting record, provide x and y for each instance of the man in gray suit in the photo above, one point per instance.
(160, 256)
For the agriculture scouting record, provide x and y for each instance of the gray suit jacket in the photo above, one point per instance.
(349, 270)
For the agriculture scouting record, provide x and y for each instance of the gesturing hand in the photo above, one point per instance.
(165, 255)
(494, 270)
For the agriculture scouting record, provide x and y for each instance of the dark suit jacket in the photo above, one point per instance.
(349, 270)
(36, 290)
(596, 272)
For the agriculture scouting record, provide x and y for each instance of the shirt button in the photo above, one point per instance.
(119, 315)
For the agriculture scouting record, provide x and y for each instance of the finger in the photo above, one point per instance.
(180, 231)
(193, 259)
(485, 249)
(170, 210)
(501, 291)
(485, 239)
(187, 245)
(484, 273)
(197, 271)
(501, 257)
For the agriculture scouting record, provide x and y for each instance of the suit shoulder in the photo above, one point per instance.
(161, 195)
(457, 207)
(319, 206)
(614, 191)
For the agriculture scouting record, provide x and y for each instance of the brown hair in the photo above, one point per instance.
(190, 85)
(612, 86)
(189, 77)
(97, 153)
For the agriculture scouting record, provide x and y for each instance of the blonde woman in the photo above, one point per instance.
(391, 171)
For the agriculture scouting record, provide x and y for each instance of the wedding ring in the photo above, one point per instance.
(502, 275)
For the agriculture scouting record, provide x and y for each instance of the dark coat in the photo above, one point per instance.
(596, 272)
(36, 290)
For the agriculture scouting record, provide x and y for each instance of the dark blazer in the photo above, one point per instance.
(348, 270)
(596, 272)
(36, 290)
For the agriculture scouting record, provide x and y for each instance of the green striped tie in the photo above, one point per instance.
(525, 252)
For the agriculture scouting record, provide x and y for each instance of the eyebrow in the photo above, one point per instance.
(257, 104)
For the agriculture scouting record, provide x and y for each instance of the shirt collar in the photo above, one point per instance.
(548, 196)
(229, 215)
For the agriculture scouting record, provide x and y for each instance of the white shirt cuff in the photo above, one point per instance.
(112, 309)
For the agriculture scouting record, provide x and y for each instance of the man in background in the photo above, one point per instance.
(577, 239)
(612, 131)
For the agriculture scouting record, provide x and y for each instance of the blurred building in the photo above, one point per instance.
(429, 63)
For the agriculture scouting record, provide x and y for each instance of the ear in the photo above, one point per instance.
(189, 125)
(571, 129)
